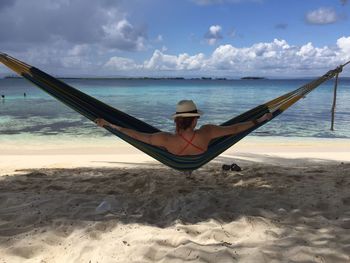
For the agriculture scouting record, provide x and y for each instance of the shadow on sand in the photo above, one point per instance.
(288, 193)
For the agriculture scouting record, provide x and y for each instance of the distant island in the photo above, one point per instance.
(12, 77)
(145, 78)
(253, 78)
(126, 78)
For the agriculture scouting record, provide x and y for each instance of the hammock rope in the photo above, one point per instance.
(93, 109)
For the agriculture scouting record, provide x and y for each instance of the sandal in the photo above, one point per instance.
(235, 167)
(226, 167)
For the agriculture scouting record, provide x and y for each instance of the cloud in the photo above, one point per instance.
(273, 59)
(159, 38)
(124, 36)
(277, 58)
(44, 22)
(213, 34)
(231, 33)
(6, 3)
(281, 26)
(161, 61)
(343, 44)
(120, 63)
(214, 2)
(51, 35)
(70, 38)
(322, 16)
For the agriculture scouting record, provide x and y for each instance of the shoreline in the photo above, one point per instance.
(109, 152)
(12, 144)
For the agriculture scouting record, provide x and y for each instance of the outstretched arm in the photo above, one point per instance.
(159, 139)
(215, 131)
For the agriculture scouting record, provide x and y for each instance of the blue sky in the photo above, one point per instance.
(218, 38)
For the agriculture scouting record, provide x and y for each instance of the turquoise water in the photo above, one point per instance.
(154, 101)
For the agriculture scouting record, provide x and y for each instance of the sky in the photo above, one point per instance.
(182, 38)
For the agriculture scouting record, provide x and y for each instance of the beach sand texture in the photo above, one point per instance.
(275, 210)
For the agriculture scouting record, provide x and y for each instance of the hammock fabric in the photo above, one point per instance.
(93, 109)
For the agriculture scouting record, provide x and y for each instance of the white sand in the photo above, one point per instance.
(290, 203)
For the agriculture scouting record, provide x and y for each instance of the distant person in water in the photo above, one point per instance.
(3, 96)
(186, 140)
(24, 94)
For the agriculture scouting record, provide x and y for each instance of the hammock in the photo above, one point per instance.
(93, 109)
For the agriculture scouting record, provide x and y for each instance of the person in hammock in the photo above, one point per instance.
(186, 140)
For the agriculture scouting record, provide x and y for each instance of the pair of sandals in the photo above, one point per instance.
(233, 167)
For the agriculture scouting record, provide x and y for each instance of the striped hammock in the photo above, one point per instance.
(92, 109)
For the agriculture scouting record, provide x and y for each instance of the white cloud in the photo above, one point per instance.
(277, 58)
(124, 36)
(78, 50)
(120, 63)
(67, 37)
(159, 38)
(273, 59)
(306, 50)
(161, 61)
(344, 45)
(213, 34)
(322, 16)
(29, 24)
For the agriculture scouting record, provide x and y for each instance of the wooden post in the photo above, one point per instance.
(334, 100)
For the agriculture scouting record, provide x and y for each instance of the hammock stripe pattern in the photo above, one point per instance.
(93, 109)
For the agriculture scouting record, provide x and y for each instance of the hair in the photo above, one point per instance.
(182, 123)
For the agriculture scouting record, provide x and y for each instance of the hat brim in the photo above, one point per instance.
(188, 114)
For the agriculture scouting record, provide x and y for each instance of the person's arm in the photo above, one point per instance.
(215, 131)
(159, 139)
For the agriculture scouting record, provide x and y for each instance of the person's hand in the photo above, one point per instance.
(266, 116)
(101, 122)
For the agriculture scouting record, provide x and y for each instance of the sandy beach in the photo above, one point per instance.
(290, 203)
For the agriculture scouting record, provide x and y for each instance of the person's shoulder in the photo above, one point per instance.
(206, 127)
(165, 135)
(207, 130)
(160, 139)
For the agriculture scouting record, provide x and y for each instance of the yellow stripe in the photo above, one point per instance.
(290, 102)
(274, 102)
(18, 66)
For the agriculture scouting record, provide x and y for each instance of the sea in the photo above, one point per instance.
(28, 112)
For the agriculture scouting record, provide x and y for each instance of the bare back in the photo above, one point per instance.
(188, 143)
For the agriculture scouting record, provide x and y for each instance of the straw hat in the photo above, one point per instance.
(186, 108)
